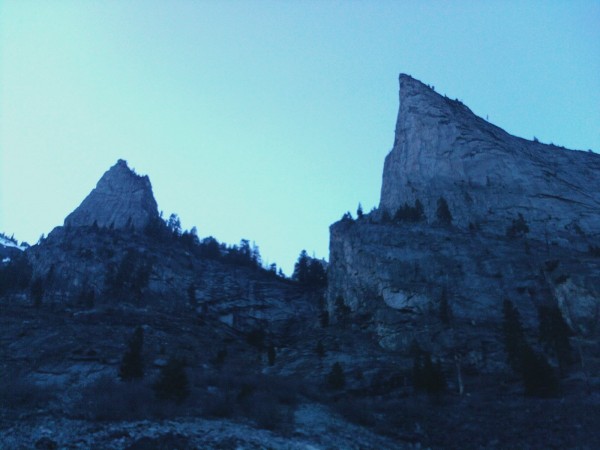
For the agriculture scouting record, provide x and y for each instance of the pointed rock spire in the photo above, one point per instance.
(488, 177)
(121, 199)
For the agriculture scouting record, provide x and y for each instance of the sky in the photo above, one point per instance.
(267, 120)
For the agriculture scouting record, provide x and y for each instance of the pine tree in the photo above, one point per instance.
(132, 364)
(359, 212)
(519, 227)
(419, 211)
(301, 268)
(174, 225)
(538, 376)
(442, 213)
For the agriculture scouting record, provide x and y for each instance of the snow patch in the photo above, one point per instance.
(12, 243)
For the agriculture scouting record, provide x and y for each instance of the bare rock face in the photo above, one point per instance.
(524, 226)
(487, 176)
(121, 199)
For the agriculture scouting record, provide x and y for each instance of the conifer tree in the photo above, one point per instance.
(538, 376)
(442, 213)
(132, 364)
(514, 338)
(554, 335)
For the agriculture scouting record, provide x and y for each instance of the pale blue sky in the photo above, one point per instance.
(267, 120)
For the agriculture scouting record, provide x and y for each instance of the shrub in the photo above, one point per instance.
(19, 391)
(442, 213)
(561, 279)
(108, 400)
(539, 377)
(172, 383)
(267, 400)
(427, 375)
(551, 265)
(256, 338)
(594, 250)
(267, 412)
(342, 311)
(518, 228)
(163, 442)
(445, 308)
(37, 291)
(271, 354)
(357, 411)
(514, 337)
(554, 335)
(132, 365)
(336, 379)
(220, 405)
(219, 358)
(320, 349)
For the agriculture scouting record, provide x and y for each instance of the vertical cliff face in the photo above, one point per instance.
(487, 176)
(395, 271)
(121, 199)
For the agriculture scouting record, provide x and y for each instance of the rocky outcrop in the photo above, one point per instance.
(487, 176)
(121, 199)
(524, 223)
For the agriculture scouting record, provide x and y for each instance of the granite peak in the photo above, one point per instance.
(488, 177)
(121, 199)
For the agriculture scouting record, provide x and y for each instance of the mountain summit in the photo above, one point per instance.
(487, 176)
(121, 199)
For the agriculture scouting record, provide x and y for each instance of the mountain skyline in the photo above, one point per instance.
(266, 121)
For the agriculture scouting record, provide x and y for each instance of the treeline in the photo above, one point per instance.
(407, 214)
(243, 254)
(310, 272)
